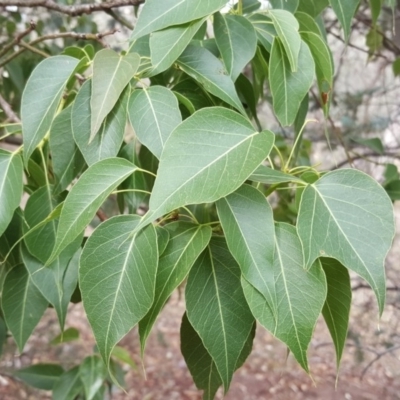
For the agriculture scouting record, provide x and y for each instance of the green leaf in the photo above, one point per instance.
(289, 88)
(40, 376)
(209, 156)
(216, 307)
(68, 386)
(92, 372)
(9, 245)
(154, 114)
(265, 29)
(373, 40)
(167, 45)
(345, 10)
(162, 240)
(393, 190)
(117, 278)
(69, 335)
(124, 356)
(336, 309)
(22, 303)
(391, 173)
(186, 243)
(155, 15)
(66, 158)
(136, 184)
(323, 64)
(111, 74)
(312, 7)
(236, 40)
(271, 176)
(249, 6)
(375, 144)
(288, 5)
(40, 204)
(11, 186)
(86, 197)
(200, 364)
(208, 70)
(300, 295)
(348, 216)
(107, 142)
(194, 96)
(41, 97)
(58, 281)
(287, 28)
(307, 23)
(248, 224)
(396, 67)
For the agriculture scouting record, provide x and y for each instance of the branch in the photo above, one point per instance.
(363, 286)
(72, 11)
(378, 356)
(12, 117)
(365, 155)
(17, 39)
(52, 36)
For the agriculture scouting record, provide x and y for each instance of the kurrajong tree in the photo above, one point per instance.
(206, 197)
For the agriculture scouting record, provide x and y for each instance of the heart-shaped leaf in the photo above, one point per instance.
(117, 277)
(300, 295)
(212, 142)
(348, 216)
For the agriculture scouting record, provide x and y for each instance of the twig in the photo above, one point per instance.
(72, 11)
(12, 117)
(101, 215)
(362, 286)
(363, 156)
(17, 39)
(378, 356)
(34, 49)
(119, 18)
(59, 35)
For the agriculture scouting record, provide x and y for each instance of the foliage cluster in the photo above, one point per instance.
(168, 131)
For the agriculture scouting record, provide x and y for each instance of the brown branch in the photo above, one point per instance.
(365, 155)
(60, 35)
(363, 286)
(12, 117)
(378, 356)
(72, 11)
(17, 39)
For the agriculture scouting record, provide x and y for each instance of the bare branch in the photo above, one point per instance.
(11, 116)
(52, 36)
(72, 11)
(378, 356)
(17, 39)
